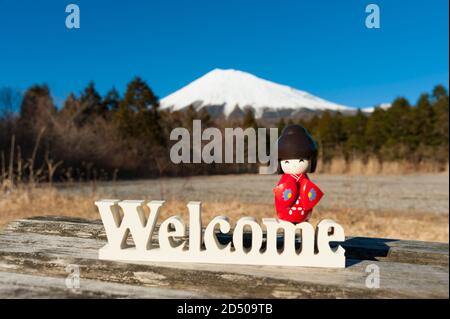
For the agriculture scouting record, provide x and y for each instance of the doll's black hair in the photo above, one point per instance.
(296, 142)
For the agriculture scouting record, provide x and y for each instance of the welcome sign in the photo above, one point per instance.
(200, 246)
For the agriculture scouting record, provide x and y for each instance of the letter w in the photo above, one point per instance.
(134, 221)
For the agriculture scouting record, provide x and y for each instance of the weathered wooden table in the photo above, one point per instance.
(39, 258)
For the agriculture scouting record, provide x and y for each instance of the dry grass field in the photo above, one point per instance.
(405, 207)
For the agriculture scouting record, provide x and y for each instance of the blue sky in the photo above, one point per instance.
(319, 46)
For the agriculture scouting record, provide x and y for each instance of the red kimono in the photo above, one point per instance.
(295, 197)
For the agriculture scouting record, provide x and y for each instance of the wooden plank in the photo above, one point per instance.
(45, 246)
(41, 254)
(362, 248)
(404, 251)
(14, 285)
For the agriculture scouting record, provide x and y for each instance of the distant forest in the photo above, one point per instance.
(94, 137)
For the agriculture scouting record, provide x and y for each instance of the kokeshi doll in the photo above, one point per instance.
(295, 194)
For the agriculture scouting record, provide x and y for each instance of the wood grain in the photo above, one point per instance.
(34, 254)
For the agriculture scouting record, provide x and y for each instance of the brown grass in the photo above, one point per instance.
(21, 203)
(372, 166)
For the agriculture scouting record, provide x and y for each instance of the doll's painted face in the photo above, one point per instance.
(295, 166)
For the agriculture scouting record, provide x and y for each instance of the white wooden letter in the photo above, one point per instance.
(173, 243)
(238, 236)
(212, 244)
(166, 242)
(328, 230)
(195, 227)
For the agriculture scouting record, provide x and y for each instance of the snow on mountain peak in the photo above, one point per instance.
(233, 88)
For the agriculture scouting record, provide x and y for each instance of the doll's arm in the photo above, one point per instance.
(310, 194)
(286, 194)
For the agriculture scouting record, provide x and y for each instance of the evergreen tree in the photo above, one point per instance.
(91, 101)
(355, 128)
(376, 132)
(138, 115)
(190, 115)
(71, 105)
(398, 120)
(439, 92)
(281, 125)
(330, 133)
(111, 101)
(249, 119)
(441, 125)
(205, 117)
(424, 119)
(312, 124)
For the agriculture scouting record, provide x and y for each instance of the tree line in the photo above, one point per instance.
(95, 137)
(414, 133)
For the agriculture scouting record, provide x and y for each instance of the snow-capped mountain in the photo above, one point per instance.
(230, 92)
(383, 106)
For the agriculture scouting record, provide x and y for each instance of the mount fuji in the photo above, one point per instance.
(231, 92)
